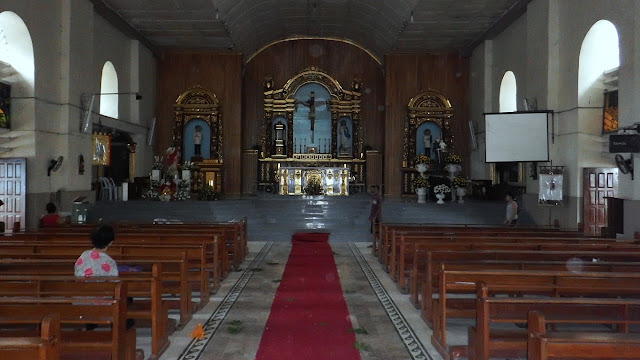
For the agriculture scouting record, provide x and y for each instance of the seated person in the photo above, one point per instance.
(51, 218)
(96, 262)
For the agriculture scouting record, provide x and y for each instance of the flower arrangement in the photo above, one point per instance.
(188, 165)
(453, 159)
(207, 194)
(152, 194)
(313, 187)
(460, 182)
(157, 163)
(420, 182)
(423, 159)
(183, 190)
(441, 189)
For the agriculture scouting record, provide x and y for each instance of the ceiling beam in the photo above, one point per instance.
(121, 24)
(509, 17)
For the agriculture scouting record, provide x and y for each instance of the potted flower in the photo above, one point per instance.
(422, 164)
(421, 185)
(156, 168)
(460, 183)
(453, 162)
(440, 192)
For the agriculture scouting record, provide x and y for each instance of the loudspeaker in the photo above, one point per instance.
(624, 143)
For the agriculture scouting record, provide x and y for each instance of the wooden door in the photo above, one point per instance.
(598, 184)
(13, 182)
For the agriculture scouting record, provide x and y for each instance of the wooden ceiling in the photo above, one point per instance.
(380, 26)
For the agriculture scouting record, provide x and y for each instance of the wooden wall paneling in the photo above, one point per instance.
(222, 74)
(405, 76)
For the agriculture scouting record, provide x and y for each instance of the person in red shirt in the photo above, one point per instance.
(51, 218)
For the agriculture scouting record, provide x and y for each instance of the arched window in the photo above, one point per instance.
(17, 70)
(600, 52)
(109, 86)
(509, 93)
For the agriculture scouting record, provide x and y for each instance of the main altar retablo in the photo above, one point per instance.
(311, 130)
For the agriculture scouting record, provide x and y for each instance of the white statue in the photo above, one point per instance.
(197, 141)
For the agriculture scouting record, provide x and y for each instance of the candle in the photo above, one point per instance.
(211, 183)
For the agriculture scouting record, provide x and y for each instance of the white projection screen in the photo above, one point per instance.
(517, 137)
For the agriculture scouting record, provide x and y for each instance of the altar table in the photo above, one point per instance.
(334, 181)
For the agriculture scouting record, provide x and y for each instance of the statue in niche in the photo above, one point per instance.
(311, 104)
(197, 141)
(427, 141)
(345, 138)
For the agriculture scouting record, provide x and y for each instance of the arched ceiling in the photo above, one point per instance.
(380, 26)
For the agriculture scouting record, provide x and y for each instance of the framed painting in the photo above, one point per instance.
(101, 149)
(5, 105)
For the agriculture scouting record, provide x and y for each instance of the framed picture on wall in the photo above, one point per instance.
(101, 149)
(5, 105)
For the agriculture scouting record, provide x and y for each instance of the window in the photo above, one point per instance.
(109, 87)
(509, 93)
(600, 53)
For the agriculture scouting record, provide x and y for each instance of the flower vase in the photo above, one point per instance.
(422, 168)
(453, 169)
(186, 175)
(422, 195)
(155, 175)
(440, 197)
(461, 192)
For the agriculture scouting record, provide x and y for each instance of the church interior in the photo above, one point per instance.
(311, 179)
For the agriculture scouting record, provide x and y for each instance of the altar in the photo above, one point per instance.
(311, 137)
(329, 181)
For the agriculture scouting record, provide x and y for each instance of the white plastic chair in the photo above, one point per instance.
(115, 190)
(105, 189)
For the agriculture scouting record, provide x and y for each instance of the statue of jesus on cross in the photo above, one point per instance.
(311, 104)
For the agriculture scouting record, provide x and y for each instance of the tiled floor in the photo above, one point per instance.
(235, 317)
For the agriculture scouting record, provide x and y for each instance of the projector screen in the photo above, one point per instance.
(513, 137)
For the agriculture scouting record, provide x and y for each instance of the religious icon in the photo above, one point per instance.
(197, 141)
(426, 139)
(172, 161)
(345, 138)
(311, 104)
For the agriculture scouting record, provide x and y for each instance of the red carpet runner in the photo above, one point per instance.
(309, 318)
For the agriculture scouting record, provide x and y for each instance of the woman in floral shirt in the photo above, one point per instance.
(96, 262)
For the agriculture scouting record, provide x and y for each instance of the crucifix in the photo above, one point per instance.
(311, 104)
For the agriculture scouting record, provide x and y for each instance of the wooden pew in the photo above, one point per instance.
(389, 232)
(173, 275)
(442, 257)
(140, 286)
(486, 342)
(43, 347)
(543, 344)
(212, 256)
(198, 268)
(115, 342)
(420, 258)
(429, 283)
(543, 284)
(403, 246)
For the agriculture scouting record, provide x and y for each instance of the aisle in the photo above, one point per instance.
(385, 324)
(309, 317)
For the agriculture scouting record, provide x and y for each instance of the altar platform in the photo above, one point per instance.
(275, 218)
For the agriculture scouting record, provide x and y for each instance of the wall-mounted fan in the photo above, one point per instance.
(625, 165)
(54, 165)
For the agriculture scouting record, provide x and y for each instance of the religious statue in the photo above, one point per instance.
(172, 161)
(345, 138)
(441, 148)
(311, 104)
(426, 139)
(197, 141)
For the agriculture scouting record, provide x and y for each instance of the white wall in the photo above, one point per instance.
(542, 48)
(71, 44)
